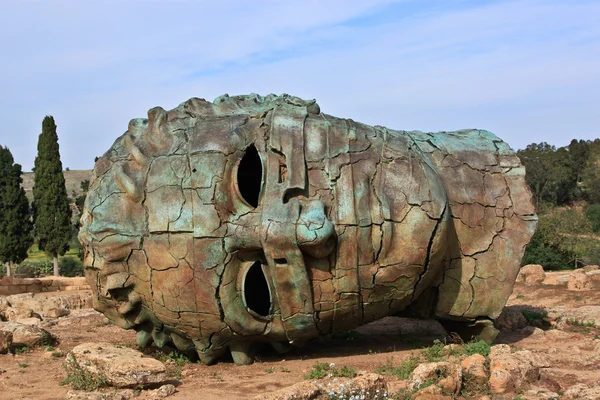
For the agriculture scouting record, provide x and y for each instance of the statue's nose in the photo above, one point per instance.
(315, 234)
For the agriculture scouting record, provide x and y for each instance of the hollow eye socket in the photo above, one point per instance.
(256, 290)
(249, 176)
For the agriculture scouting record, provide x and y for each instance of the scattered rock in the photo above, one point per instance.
(447, 376)
(579, 280)
(541, 394)
(499, 349)
(54, 306)
(366, 383)
(13, 314)
(6, 339)
(120, 366)
(532, 331)
(513, 371)
(582, 391)
(532, 274)
(556, 280)
(511, 320)
(163, 391)
(125, 394)
(501, 381)
(432, 392)
(29, 321)
(549, 384)
(590, 268)
(475, 372)
(27, 335)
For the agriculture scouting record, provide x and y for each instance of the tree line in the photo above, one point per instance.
(564, 182)
(565, 185)
(49, 218)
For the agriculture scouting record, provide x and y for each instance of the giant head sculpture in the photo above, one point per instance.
(216, 226)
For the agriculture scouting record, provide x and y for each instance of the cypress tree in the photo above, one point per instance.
(15, 224)
(51, 211)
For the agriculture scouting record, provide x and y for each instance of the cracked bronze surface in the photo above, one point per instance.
(260, 219)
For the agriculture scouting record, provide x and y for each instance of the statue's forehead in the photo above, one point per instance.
(224, 135)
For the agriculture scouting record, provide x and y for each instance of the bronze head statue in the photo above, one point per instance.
(215, 226)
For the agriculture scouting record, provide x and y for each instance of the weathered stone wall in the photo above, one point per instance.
(9, 285)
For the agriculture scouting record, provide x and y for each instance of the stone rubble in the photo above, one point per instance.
(119, 366)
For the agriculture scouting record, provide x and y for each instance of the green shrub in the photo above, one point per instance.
(538, 251)
(592, 213)
(70, 266)
(480, 347)
(79, 379)
(402, 371)
(321, 370)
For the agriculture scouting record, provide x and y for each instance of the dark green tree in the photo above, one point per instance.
(590, 176)
(51, 211)
(15, 222)
(549, 173)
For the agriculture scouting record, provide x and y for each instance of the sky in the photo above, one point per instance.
(527, 70)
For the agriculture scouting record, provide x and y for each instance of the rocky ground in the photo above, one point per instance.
(548, 347)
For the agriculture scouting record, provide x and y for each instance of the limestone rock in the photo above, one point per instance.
(541, 394)
(5, 341)
(27, 335)
(582, 391)
(556, 279)
(51, 306)
(511, 320)
(163, 391)
(514, 371)
(579, 280)
(447, 376)
(14, 314)
(474, 370)
(532, 274)
(120, 366)
(501, 381)
(433, 392)
(300, 391)
(590, 268)
(124, 394)
(29, 321)
(365, 383)
(499, 349)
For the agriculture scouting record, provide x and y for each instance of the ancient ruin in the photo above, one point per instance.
(217, 226)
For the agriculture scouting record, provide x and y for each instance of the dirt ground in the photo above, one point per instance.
(36, 374)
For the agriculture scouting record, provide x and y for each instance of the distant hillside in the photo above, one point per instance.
(73, 181)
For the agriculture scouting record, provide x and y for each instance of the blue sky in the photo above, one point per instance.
(526, 70)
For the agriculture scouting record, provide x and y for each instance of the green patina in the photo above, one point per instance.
(260, 219)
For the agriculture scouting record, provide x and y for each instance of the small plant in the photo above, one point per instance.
(57, 354)
(402, 371)
(479, 347)
(284, 369)
(269, 370)
(321, 370)
(79, 379)
(436, 352)
(531, 315)
(174, 362)
(580, 323)
(21, 350)
(23, 365)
